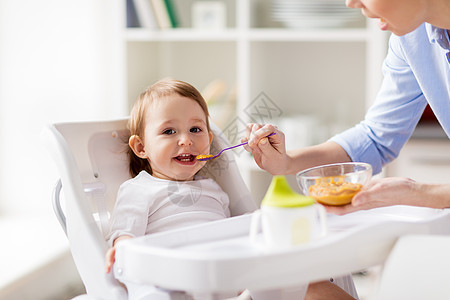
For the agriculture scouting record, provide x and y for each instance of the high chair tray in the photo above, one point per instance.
(219, 257)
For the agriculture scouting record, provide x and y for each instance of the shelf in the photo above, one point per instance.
(317, 35)
(258, 35)
(179, 35)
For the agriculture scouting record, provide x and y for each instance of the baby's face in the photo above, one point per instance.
(397, 16)
(175, 133)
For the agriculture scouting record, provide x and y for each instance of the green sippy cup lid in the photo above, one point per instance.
(280, 194)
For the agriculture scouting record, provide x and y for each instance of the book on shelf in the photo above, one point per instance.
(145, 14)
(154, 14)
(172, 14)
(164, 14)
(132, 18)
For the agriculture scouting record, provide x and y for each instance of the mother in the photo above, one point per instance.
(416, 73)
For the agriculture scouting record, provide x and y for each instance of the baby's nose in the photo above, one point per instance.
(185, 140)
(354, 3)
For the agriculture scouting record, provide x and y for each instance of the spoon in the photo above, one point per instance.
(205, 157)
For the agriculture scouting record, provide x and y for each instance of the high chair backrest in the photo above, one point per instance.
(92, 161)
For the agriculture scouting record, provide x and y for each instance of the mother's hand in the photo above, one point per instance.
(382, 192)
(269, 152)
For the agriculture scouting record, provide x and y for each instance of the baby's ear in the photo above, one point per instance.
(211, 137)
(137, 146)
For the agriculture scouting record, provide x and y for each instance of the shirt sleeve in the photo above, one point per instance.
(390, 122)
(130, 215)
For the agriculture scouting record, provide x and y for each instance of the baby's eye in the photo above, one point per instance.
(169, 131)
(196, 129)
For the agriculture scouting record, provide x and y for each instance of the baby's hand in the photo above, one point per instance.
(110, 258)
(110, 255)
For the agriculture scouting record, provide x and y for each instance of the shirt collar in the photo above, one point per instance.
(438, 35)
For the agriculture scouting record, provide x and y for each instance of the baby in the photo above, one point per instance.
(169, 127)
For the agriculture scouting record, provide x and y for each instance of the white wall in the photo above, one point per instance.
(59, 61)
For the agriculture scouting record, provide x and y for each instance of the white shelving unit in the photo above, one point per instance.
(332, 74)
(424, 160)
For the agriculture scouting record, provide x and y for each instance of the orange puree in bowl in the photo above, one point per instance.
(334, 190)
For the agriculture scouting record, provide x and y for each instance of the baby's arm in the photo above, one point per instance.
(111, 253)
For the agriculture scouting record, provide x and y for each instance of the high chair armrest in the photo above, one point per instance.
(56, 201)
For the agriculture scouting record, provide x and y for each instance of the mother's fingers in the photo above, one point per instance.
(259, 132)
(340, 210)
(250, 130)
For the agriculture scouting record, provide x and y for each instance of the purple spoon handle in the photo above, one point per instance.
(239, 145)
(218, 154)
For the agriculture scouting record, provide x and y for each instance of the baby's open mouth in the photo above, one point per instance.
(185, 157)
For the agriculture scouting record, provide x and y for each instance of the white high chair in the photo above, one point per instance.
(92, 161)
(417, 268)
(91, 158)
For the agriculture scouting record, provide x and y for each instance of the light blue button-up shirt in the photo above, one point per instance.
(416, 72)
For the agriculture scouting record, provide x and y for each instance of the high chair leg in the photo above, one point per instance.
(293, 293)
(215, 296)
(146, 292)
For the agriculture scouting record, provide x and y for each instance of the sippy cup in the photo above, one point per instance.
(287, 218)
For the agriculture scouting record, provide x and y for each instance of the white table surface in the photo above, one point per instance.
(219, 257)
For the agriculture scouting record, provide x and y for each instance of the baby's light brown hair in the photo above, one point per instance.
(155, 92)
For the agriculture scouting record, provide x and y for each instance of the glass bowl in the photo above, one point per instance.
(334, 184)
